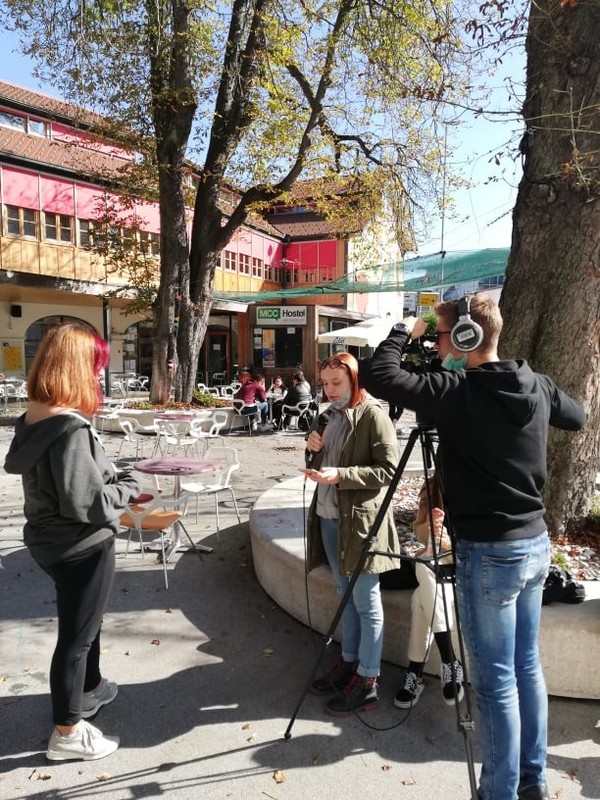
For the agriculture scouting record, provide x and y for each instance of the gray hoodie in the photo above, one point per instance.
(73, 498)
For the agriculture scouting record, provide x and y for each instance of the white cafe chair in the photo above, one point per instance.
(173, 437)
(131, 435)
(207, 426)
(217, 482)
(296, 412)
(249, 412)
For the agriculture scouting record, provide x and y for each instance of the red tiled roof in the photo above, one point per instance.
(85, 161)
(46, 105)
(305, 225)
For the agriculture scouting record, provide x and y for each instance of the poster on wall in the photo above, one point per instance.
(268, 348)
(12, 355)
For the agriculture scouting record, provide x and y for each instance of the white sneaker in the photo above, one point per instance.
(93, 701)
(86, 744)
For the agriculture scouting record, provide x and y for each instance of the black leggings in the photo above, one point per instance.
(83, 584)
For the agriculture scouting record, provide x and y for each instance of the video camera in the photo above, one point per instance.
(420, 355)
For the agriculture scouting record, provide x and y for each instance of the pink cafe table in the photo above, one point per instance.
(176, 467)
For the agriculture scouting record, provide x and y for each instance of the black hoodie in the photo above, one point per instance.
(492, 423)
(73, 499)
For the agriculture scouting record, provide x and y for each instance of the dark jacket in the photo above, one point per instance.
(367, 465)
(297, 393)
(73, 498)
(492, 423)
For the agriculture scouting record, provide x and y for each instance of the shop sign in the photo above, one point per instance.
(428, 299)
(281, 315)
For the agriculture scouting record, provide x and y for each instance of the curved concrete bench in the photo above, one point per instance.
(569, 640)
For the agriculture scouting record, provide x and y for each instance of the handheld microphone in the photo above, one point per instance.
(322, 420)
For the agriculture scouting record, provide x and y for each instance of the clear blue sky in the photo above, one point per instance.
(483, 212)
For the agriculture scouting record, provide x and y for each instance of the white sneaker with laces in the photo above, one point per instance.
(86, 744)
(92, 702)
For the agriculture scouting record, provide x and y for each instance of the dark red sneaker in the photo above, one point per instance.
(336, 679)
(359, 695)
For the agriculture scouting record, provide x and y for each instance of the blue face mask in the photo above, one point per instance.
(454, 364)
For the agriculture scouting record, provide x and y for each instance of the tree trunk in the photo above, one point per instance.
(173, 109)
(551, 299)
(194, 314)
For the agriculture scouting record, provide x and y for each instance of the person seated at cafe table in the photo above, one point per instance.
(253, 392)
(278, 389)
(298, 393)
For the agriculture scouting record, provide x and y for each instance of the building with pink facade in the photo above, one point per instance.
(59, 187)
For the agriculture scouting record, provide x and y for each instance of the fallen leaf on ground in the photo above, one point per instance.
(251, 738)
(279, 776)
(246, 727)
(268, 651)
(104, 776)
(386, 768)
(408, 782)
(155, 641)
(40, 776)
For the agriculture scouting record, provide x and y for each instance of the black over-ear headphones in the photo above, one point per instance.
(466, 335)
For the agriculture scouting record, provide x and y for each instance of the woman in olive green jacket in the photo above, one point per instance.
(354, 462)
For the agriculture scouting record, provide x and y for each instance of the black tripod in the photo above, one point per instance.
(426, 435)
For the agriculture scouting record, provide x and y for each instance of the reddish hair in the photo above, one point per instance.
(65, 368)
(101, 354)
(350, 364)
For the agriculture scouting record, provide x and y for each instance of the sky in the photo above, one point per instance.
(482, 214)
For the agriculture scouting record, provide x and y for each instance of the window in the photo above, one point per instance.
(230, 261)
(258, 268)
(150, 243)
(278, 348)
(36, 127)
(12, 121)
(127, 239)
(20, 221)
(244, 262)
(58, 228)
(86, 233)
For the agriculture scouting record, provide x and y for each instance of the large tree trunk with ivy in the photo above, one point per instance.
(551, 298)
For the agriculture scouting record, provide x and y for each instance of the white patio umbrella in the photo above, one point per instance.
(367, 333)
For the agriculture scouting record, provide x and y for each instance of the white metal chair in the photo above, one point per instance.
(227, 391)
(157, 517)
(15, 391)
(107, 414)
(131, 434)
(249, 412)
(295, 413)
(208, 426)
(173, 437)
(219, 481)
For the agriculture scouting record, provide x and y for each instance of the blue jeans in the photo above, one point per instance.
(499, 596)
(362, 617)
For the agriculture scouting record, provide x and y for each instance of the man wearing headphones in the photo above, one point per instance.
(492, 419)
